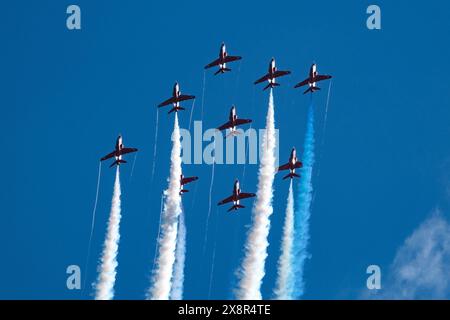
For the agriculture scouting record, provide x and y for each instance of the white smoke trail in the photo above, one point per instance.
(92, 223)
(252, 268)
(155, 146)
(180, 257)
(107, 269)
(283, 289)
(162, 276)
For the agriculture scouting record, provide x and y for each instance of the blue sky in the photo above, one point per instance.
(66, 95)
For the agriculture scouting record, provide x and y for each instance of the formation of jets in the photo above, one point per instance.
(233, 121)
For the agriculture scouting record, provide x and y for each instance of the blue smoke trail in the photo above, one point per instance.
(303, 212)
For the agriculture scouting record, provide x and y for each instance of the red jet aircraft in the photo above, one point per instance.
(233, 122)
(291, 165)
(314, 77)
(119, 151)
(222, 61)
(272, 75)
(236, 197)
(184, 181)
(176, 98)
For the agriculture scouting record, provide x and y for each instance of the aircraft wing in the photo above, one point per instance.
(284, 167)
(212, 64)
(128, 150)
(303, 83)
(225, 126)
(299, 164)
(184, 97)
(167, 102)
(262, 79)
(226, 200)
(232, 58)
(188, 180)
(108, 156)
(280, 73)
(244, 195)
(239, 122)
(321, 77)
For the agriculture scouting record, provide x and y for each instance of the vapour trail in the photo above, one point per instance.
(247, 143)
(159, 231)
(134, 163)
(203, 92)
(211, 275)
(255, 251)
(108, 266)
(210, 197)
(180, 257)
(322, 138)
(92, 223)
(284, 283)
(326, 110)
(303, 209)
(190, 117)
(155, 146)
(162, 276)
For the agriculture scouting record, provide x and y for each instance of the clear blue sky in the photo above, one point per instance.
(66, 95)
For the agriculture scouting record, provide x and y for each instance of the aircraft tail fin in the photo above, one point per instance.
(236, 207)
(175, 109)
(222, 70)
(311, 89)
(117, 162)
(233, 134)
(271, 85)
(291, 175)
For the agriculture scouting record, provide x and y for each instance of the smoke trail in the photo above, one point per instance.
(92, 223)
(180, 257)
(252, 268)
(107, 269)
(162, 276)
(303, 210)
(155, 145)
(284, 285)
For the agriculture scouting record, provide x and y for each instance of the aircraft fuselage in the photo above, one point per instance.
(119, 147)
